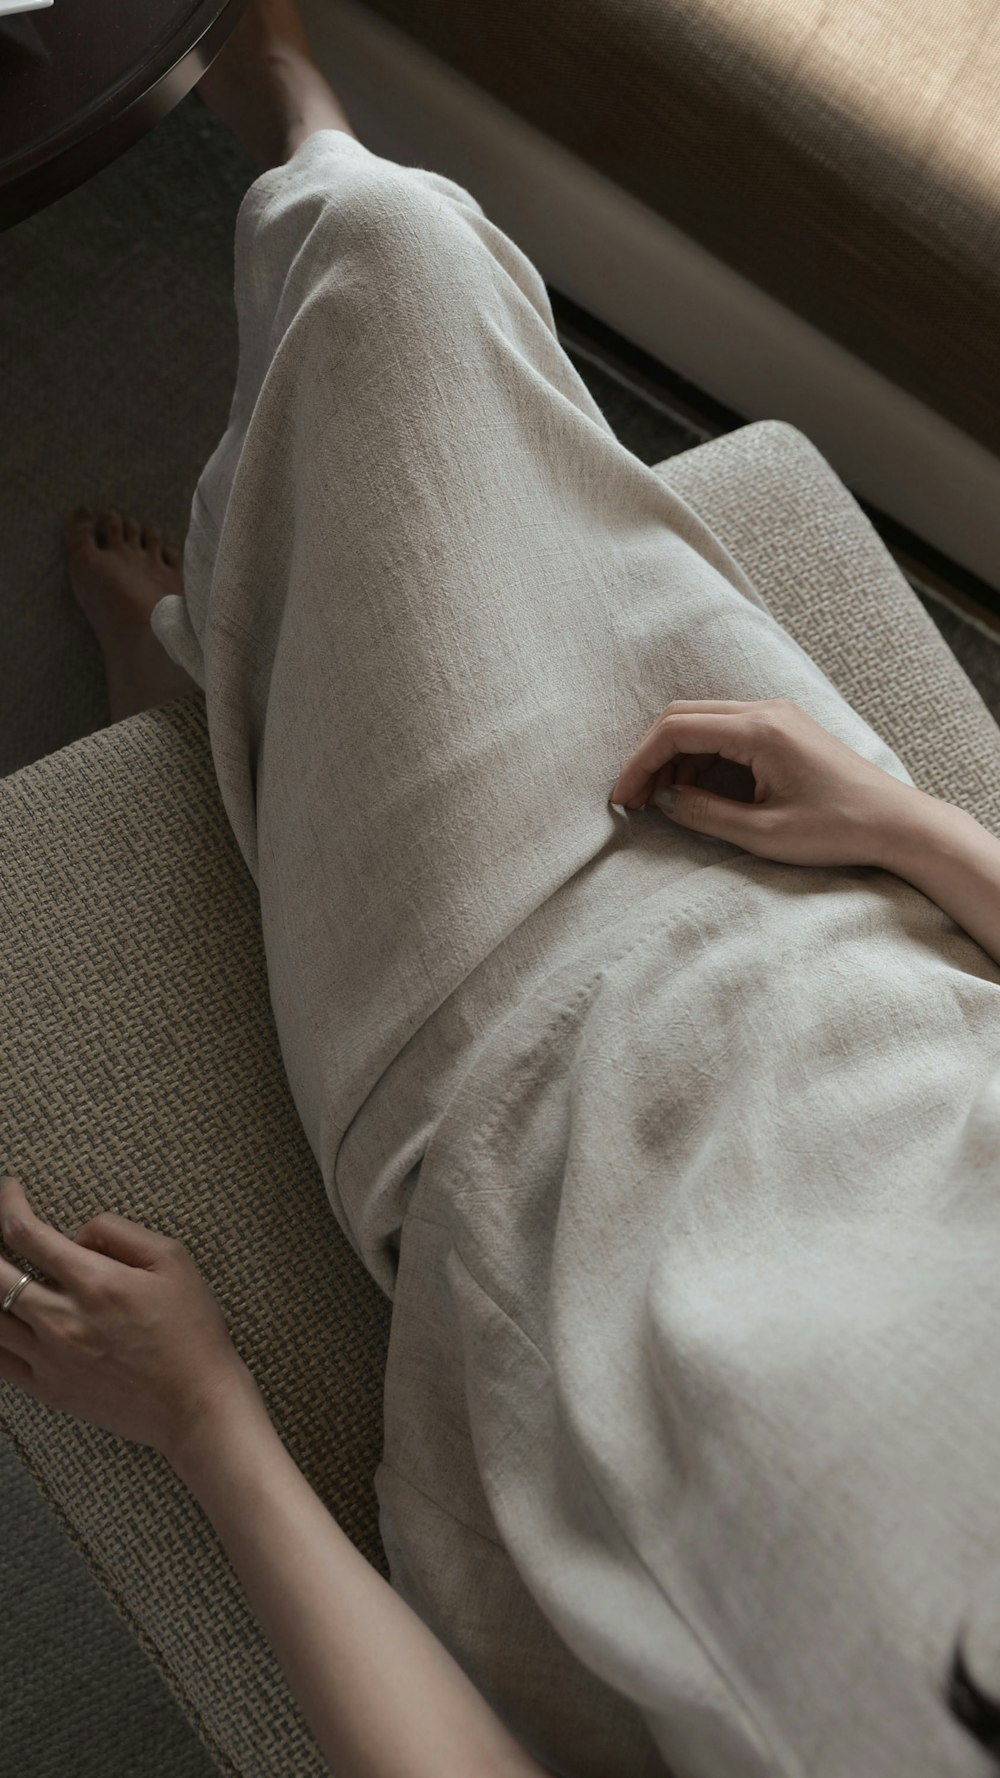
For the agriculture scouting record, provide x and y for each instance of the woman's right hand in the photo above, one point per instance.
(767, 777)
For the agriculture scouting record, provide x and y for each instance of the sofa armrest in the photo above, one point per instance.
(824, 573)
(140, 1072)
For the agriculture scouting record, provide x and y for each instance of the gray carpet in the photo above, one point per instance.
(120, 355)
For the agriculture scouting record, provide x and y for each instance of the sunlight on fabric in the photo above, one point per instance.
(923, 72)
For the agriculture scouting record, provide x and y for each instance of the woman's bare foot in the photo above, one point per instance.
(266, 86)
(118, 571)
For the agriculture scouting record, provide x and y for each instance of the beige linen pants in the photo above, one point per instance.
(680, 1167)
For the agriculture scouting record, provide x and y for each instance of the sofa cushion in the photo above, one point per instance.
(845, 158)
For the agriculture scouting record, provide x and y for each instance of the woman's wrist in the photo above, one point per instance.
(912, 824)
(206, 1436)
(954, 860)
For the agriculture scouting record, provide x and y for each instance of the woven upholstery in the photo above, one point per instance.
(845, 158)
(826, 576)
(140, 1072)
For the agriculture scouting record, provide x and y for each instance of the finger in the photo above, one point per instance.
(16, 1345)
(684, 769)
(720, 817)
(676, 732)
(36, 1241)
(700, 762)
(682, 706)
(15, 1332)
(119, 1238)
(703, 707)
(31, 1310)
(79, 531)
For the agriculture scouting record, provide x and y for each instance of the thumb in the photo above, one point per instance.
(120, 1238)
(720, 817)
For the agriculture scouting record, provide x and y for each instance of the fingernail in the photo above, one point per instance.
(665, 798)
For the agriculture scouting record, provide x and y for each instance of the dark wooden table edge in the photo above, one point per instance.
(67, 157)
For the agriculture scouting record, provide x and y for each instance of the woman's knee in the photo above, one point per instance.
(347, 223)
(394, 236)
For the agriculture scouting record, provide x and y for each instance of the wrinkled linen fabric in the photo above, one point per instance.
(679, 1166)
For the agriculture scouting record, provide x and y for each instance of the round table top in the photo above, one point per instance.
(81, 80)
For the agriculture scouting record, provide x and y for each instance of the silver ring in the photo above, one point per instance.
(14, 1292)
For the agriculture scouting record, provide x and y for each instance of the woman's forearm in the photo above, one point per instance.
(381, 1695)
(952, 859)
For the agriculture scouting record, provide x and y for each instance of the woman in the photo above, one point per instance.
(672, 1142)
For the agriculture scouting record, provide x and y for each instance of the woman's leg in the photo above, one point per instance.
(433, 603)
(267, 87)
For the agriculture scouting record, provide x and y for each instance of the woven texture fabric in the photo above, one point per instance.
(773, 499)
(845, 158)
(140, 1073)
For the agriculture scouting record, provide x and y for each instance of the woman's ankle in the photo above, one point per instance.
(312, 103)
(266, 85)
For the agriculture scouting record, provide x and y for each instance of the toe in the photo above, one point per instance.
(151, 537)
(79, 529)
(172, 557)
(110, 528)
(130, 530)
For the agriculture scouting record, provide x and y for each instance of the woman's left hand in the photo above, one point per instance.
(125, 1332)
